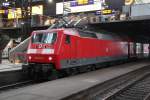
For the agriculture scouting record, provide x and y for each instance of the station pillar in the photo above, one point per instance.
(0, 56)
(149, 51)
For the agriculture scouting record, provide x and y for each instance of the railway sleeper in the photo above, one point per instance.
(135, 92)
(124, 98)
(136, 96)
(139, 89)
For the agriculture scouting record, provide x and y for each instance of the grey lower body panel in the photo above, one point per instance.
(68, 63)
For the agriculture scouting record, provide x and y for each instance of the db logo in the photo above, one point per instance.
(40, 45)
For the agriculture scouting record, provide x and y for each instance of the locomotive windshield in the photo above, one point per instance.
(44, 38)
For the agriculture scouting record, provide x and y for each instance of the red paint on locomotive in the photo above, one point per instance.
(65, 48)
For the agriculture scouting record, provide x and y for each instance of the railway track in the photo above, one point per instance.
(138, 90)
(134, 85)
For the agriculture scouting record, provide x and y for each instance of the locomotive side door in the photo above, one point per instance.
(71, 46)
(73, 51)
(67, 49)
(64, 54)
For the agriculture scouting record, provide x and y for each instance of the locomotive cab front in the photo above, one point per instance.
(41, 48)
(41, 54)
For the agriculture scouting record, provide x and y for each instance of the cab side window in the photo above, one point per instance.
(67, 40)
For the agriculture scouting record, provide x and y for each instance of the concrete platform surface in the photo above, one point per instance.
(7, 66)
(57, 89)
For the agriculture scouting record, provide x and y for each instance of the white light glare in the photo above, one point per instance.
(30, 57)
(50, 1)
(50, 58)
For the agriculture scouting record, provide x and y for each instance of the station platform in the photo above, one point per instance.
(60, 88)
(7, 66)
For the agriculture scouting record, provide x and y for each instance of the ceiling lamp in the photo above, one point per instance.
(129, 2)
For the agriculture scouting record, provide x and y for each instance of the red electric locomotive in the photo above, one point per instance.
(59, 49)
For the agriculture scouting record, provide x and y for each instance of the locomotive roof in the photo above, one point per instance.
(48, 30)
(103, 35)
(69, 31)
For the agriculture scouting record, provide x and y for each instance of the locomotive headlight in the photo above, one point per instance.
(30, 57)
(50, 58)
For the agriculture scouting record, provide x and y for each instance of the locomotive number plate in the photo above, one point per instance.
(38, 58)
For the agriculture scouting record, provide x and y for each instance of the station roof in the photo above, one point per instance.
(139, 30)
